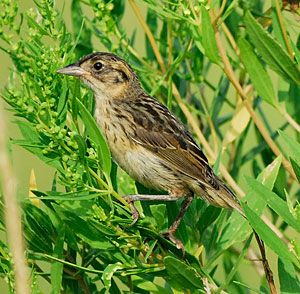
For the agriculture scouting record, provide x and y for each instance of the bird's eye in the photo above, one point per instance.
(98, 65)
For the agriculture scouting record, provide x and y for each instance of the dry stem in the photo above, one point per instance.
(283, 30)
(12, 217)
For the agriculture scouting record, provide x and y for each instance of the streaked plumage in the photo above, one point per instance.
(145, 138)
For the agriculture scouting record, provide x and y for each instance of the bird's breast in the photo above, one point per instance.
(141, 164)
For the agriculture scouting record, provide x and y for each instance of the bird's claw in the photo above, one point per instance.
(179, 245)
(134, 212)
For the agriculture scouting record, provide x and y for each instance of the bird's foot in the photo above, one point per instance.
(134, 212)
(170, 235)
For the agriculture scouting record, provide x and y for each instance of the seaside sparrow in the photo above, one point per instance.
(146, 140)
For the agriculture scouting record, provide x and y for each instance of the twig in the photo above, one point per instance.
(149, 34)
(12, 217)
(289, 119)
(283, 30)
(268, 272)
(230, 38)
(109, 189)
(220, 12)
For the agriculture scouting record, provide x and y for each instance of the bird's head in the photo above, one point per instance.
(105, 73)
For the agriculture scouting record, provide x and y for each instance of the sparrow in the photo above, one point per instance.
(147, 140)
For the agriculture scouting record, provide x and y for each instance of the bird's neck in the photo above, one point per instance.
(117, 93)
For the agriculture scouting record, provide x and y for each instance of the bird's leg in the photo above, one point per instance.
(184, 207)
(172, 229)
(170, 197)
(131, 198)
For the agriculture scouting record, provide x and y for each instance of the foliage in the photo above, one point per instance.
(231, 67)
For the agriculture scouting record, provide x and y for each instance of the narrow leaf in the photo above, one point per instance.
(109, 272)
(85, 231)
(57, 267)
(208, 37)
(296, 168)
(238, 124)
(274, 201)
(96, 135)
(182, 276)
(292, 146)
(268, 236)
(269, 175)
(288, 279)
(271, 52)
(84, 45)
(258, 75)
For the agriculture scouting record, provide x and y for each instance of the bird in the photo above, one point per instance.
(146, 140)
(149, 143)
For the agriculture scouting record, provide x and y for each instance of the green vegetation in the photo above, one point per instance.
(230, 71)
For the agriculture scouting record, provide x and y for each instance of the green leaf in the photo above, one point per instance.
(258, 75)
(109, 272)
(237, 228)
(208, 37)
(39, 230)
(288, 279)
(296, 168)
(181, 275)
(81, 147)
(269, 175)
(159, 212)
(150, 287)
(210, 214)
(152, 24)
(37, 150)
(57, 267)
(274, 201)
(268, 236)
(96, 135)
(276, 29)
(62, 105)
(292, 146)
(85, 231)
(28, 131)
(271, 52)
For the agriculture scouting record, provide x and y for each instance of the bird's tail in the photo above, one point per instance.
(228, 198)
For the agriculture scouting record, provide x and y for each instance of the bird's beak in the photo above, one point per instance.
(72, 70)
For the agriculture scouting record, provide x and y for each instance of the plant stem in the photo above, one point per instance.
(282, 28)
(109, 189)
(220, 12)
(13, 217)
(149, 34)
(289, 119)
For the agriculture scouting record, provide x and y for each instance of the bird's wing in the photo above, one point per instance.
(163, 135)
